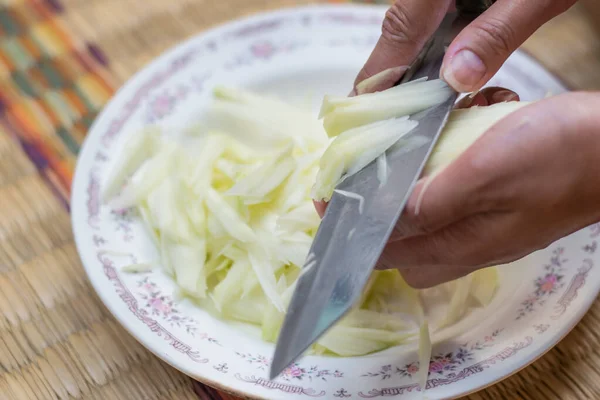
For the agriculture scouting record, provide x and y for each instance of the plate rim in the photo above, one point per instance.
(511, 367)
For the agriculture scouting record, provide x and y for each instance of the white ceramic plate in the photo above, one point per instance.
(302, 54)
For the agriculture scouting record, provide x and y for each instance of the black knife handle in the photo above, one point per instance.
(472, 8)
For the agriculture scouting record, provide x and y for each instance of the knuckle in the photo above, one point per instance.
(434, 250)
(421, 220)
(471, 245)
(561, 6)
(420, 279)
(386, 261)
(485, 178)
(460, 246)
(442, 251)
(417, 216)
(499, 36)
(417, 280)
(397, 26)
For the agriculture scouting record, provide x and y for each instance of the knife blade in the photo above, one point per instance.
(354, 230)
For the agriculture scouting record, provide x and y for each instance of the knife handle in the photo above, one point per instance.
(429, 60)
(471, 9)
(434, 48)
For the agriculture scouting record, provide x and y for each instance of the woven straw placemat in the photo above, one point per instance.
(59, 64)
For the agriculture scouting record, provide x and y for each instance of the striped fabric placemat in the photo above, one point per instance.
(52, 85)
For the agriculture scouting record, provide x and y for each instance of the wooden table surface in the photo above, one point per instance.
(570, 46)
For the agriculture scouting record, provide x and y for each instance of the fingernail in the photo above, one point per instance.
(504, 96)
(381, 81)
(352, 93)
(321, 207)
(464, 71)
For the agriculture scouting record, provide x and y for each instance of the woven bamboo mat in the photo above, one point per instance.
(59, 64)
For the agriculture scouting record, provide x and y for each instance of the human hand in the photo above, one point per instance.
(530, 180)
(475, 55)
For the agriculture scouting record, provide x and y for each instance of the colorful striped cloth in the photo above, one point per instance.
(52, 86)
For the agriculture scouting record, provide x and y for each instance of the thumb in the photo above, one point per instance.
(481, 48)
(406, 27)
(450, 253)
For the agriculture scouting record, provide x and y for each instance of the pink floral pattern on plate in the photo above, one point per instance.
(165, 102)
(541, 328)
(123, 220)
(451, 378)
(440, 364)
(294, 371)
(576, 284)
(264, 50)
(546, 285)
(162, 305)
(127, 296)
(279, 386)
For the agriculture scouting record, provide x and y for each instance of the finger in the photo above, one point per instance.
(424, 278)
(481, 48)
(488, 96)
(452, 252)
(475, 99)
(321, 207)
(495, 95)
(406, 27)
(380, 81)
(437, 201)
